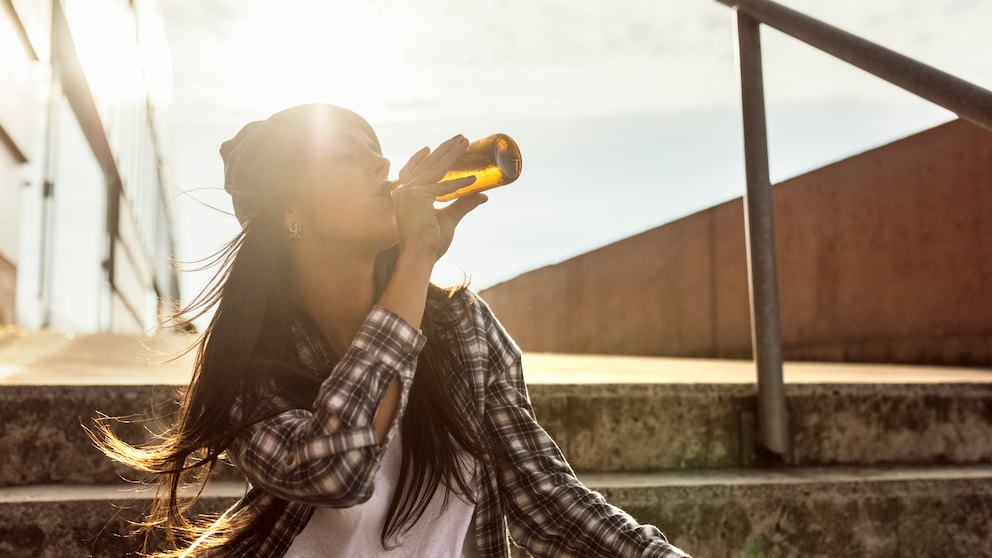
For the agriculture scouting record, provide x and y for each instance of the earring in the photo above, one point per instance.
(295, 230)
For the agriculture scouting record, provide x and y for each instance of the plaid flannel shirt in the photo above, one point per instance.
(328, 455)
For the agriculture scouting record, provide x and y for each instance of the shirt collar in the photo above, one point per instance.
(311, 345)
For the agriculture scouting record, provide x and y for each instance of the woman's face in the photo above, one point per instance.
(339, 196)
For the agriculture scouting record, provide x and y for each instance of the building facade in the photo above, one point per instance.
(86, 233)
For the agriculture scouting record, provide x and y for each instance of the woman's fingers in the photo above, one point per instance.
(418, 221)
(453, 212)
(437, 190)
(415, 161)
(449, 216)
(430, 167)
(453, 185)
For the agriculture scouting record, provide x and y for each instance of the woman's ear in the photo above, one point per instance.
(291, 223)
(290, 216)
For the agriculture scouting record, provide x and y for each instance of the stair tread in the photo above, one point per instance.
(789, 475)
(77, 492)
(60, 358)
(700, 478)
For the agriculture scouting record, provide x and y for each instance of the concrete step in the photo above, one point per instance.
(881, 512)
(646, 427)
(608, 413)
(600, 427)
(56, 521)
(44, 442)
(890, 512)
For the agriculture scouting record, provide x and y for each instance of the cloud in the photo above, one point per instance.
(557, 72)
(551, 58)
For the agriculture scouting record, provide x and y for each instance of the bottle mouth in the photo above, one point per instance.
(387, 187)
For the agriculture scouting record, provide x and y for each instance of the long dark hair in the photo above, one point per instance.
(249, 343)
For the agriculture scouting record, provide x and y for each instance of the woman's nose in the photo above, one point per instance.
(380, 166)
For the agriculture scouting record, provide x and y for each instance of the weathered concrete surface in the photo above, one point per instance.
(901, 423)
(662, 413)
(797, 513)
(669, 414)
(811, 513)
(883, 257)
(648, 427)
(600, 427)
(43, 438)
(63, 521)
(643, 427)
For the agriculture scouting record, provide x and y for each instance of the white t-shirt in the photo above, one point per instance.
(357, 531)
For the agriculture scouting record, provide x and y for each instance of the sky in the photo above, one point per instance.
(626, 112)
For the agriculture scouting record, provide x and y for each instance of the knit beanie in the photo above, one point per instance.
(258, 157)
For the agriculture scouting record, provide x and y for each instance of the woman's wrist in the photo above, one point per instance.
(406, 293)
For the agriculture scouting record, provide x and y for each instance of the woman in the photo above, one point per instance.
(373, 413)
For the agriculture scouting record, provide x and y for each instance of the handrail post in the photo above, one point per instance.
(773, 429)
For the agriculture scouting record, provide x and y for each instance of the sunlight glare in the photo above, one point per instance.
(119, 69)
(107, 52)
(347, 53)
(153, 43)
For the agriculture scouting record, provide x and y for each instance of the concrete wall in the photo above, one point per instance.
(17, 109)
(8, 287)
(883, 257)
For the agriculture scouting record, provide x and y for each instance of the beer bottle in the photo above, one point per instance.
(494, 160)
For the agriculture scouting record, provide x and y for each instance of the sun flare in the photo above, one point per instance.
(349, 53)
(125, 56)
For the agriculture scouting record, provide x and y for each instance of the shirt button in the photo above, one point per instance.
(291, 460)
(406, 348)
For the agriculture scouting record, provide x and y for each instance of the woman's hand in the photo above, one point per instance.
(424, 231)
(423, 228)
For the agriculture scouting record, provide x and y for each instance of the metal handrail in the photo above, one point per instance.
(967, 100)
(772, 433)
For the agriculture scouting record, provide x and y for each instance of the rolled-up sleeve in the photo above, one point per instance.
(328, 454)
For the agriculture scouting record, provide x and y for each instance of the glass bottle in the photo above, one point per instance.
(494, 160)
